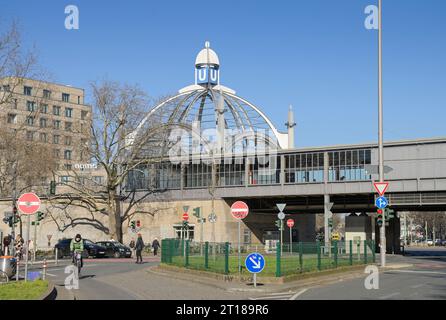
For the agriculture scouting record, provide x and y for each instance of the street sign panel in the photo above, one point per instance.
(185, 208)
(28, 203)
(281, 215)
(185, 216)
(381, 202)
(381, 187)
(239, 210)
(290, 223)
(281, 206)
(255, 262)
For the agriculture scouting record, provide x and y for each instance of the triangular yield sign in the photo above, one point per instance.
(381, 187)
(281, 206)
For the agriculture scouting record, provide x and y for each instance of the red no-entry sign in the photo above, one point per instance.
(290, 223)
(28, 203)
(185, 216)
(239, 210)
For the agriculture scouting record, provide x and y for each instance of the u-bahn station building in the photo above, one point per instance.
(220, 148)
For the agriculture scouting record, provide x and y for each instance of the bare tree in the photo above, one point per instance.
(117, 112)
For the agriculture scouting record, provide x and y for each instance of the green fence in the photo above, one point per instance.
(280, 260)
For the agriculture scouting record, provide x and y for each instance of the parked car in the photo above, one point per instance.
(430, 242)
(90, 249)
(438, 242)
(115, 249)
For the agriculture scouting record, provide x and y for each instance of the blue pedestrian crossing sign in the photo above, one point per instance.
(255, 262)
(381, 202)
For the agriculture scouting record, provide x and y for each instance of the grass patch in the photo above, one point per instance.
(21, 290)
(290, 264)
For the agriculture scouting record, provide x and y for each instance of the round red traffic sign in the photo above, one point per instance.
(239, 210)
(28, 203)
(290, 223)
(185, 216)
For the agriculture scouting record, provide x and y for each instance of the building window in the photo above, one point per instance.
(64, 179)
(27, 90)
(68, 141)
(181, 233)
(78, 100)
(56, 110)
(56, 124)
(44, 108)
(31, 106)
(84, 115)
(56, 139)
(56, 153)
(30, 135)
(97, 180)
(43, 122)
(67, 155)
(47, 94)
(43, 137)
(68, 112)
(68, 167)
(65, 97)
(68, 126)
(30, 121)
(12, 118)
(7, 88)
(14, 104)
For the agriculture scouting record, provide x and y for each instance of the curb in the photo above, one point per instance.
(51, 293)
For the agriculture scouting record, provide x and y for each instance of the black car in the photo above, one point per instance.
(115, 249)
(91, 249)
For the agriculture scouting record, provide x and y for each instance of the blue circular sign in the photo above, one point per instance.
(381, 202)
(255, 262)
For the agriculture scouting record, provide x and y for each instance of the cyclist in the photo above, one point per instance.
(77, 246)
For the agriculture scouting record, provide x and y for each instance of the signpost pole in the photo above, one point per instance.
(27, 248)
(255, 280)
(34, 239)
(291, 240)
(380, 130)
(239, 255)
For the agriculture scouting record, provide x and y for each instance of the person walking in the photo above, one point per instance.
(139, 247)
(19, 247)
(155, 246)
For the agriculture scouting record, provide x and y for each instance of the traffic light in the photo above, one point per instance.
(138, 223)
(380, 217)
(53, 188)
(279, 224)
(330, 223)
(133, 225)
(185, 224)
(196, 212)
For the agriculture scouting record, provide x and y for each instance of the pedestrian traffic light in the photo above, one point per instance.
(196, 212)
(132, 225)
(388, 214)
(53, 188)
(40, 216)
(380, 217)
(185, 224)
(279, 224)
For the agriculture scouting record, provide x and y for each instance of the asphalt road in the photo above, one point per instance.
(425, 279)
(122, 279)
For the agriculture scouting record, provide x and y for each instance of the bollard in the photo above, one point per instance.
(17, 272)
(44, 269)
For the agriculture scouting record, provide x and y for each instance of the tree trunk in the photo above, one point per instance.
(114, 216)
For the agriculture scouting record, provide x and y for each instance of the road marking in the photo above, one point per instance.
(50, 274)
(277, 297)
(419, 271)
(418, 286)
(389, 296)
(298, 294)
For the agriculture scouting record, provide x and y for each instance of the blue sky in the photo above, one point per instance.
(315, 55)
